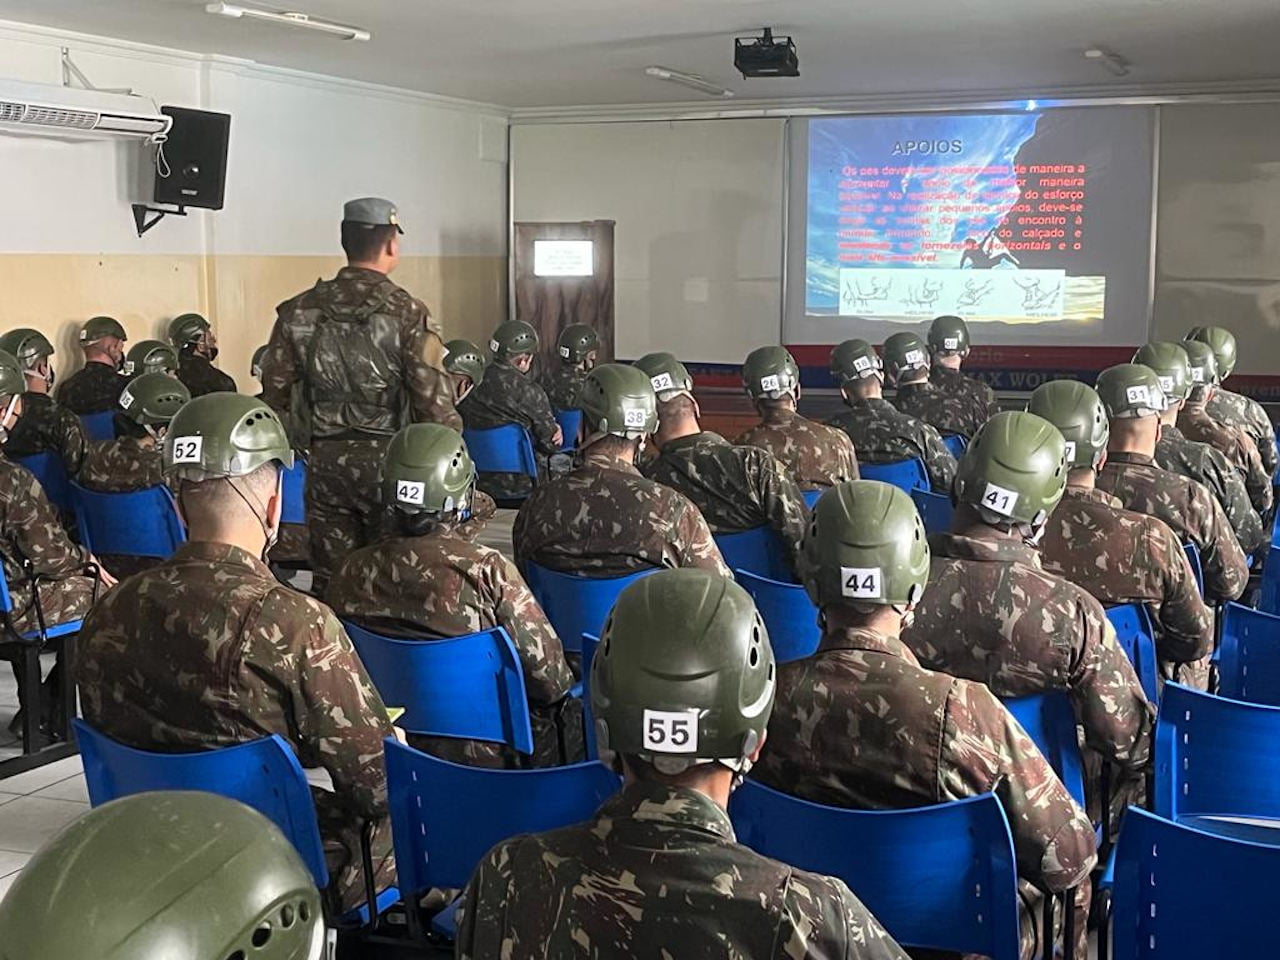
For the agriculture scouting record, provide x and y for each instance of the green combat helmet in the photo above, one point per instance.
(855, 360)
(427, 470)
(28, 346)
(948, 334)
(464, 358)
(150, 356)
(670, 377)
(618, 400)
(1223, 343)
(1014, 471)
(865, 544)
(255, 363)
(186, 329)
(99, 328)
(1077, 411)
(224, 435)
(161, 875)
(904, 352)
(1202, 363)
(771, 373)
(1171, 366)
(1130, 391)
(12, 380)
(514, 338)
(577, 342)
(153, 399)
(684, 674)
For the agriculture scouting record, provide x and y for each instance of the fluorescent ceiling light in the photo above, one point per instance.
(689, 80)
(289, 19)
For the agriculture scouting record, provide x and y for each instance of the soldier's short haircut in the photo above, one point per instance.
(676, 407)
(864, 387)
(612, 446)
(362, 242)
(205, 501)
(645, 772)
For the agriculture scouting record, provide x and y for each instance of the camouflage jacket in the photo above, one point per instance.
(817, 455)
(607, 520)
(1241, 411)
(1234, 444)
(563, 385)
(48, 427)
(367, 354)
(208, 649)
(1203, 464)
(506, 395)
(201, 376)
(942, 411)
(862, 724)
(883, 434)
(444, 585)
(121, 465)
(1124, 557)
(956, 385)
(735, 488)
(656, 875)
(1189, 510)
(94, 388)
(992, 614)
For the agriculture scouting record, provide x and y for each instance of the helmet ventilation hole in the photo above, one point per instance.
(304, 911)
(262, 935)
(286, 916)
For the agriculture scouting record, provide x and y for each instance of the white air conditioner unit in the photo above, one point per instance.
(44, 110)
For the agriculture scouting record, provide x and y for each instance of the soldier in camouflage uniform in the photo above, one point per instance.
(861, 724)
(96, 386)
(735, 488)
(906, 360)
(1192, 459)
(880, 432)
(1134, 401)
(367, 359)
(658, 872)
(150, 356)
(209, 649)
(995, 615)
(428, 579)
(197, 346)
(948, 348)
(604, 519)
(45, 426)
(1117, 555)
(1233, 408)
(817, 455)
(510, 394)
(577, 348)
(465, 363)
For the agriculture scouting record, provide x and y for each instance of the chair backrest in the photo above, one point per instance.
(263, 774)
(576, 604)
(760, 550)
(570, 422)
(1215, 757)
(906, 475)
(1249, 655)
(48, 469)
(788, 613)
(1164, 909)
(1269, 599)
(140, 523)
(936, 510)
(956, 444)
(811, 496)
(504, 449)
(294, 485)
(99, 426)
(470, 687)
(1138, 639)
(1050, 721)
(445, 817)
(589, 644)
(941, 877)
(1193, 558)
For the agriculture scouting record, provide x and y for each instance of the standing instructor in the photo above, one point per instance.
(368, 359)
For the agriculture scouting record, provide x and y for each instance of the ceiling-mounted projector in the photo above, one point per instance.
(766, 56)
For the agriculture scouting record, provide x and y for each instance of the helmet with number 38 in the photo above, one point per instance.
(1014, 471)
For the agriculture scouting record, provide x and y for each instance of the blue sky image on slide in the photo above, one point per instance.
(837, 142)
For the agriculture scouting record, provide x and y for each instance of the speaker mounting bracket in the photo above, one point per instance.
(140, 211)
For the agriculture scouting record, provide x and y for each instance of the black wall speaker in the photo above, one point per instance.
(195, 158)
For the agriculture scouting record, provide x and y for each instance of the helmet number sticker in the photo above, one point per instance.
(493, 345)
(671, 731)
(1071, 451)
(1197, 374)
(914, 357)
(126, 399)
(1138, 395)
(999, 499)
(662, 382)
(861, 363)
(127, 369)
(1166, 384)
(564, 352)
(770, 382)
(187, 449)
(634, 417)
(411, 491)
(862, 583)
(950, 343)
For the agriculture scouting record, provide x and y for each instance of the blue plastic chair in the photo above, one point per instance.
(504, 449)
(470, 687)
(936, 510)
(1137, 637)
(589, 645)
(48, 469)
(956, 444)
(1269, 598)
(941, 877)
(1249, 655)
(760, 550)
(788, 613)
(99, 426)
(294, 486)
(906, 475)
(141, 523)
(1197, 568)
(811, 497)
(570, 423)
(1050, 721)
(576, 604)
(1182, 894)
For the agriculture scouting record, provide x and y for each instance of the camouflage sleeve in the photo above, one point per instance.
(846, 456)
(430, 386)
(72, 442)
(984, 749)
(1184, 622)
(1226, 483)
(823, 919)
(522, 544)
(279, 366)
(1226, 572)
(692, 539)
(36, 531)
(938, 460)
(1263, 432)
(1257, 479)
(483, 509)
(547, 675)
(480, 927)
(783, 502)
(542, 421)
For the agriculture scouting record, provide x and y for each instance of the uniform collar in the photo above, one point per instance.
(920, 386)
(862, 638)
(867, 402)
(360, 273)
(703, 439)
(1141, 459)
(1087, 495)
(224, 553)
(593, 457)
(668, 806)
(778, 417)
(1169, 431)
(977, 545)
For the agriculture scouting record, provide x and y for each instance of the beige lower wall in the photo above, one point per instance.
(55, 293)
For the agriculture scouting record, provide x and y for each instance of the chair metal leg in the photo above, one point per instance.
(67, 684)
(1046, 932)
(29, 698)
(1069, 923)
